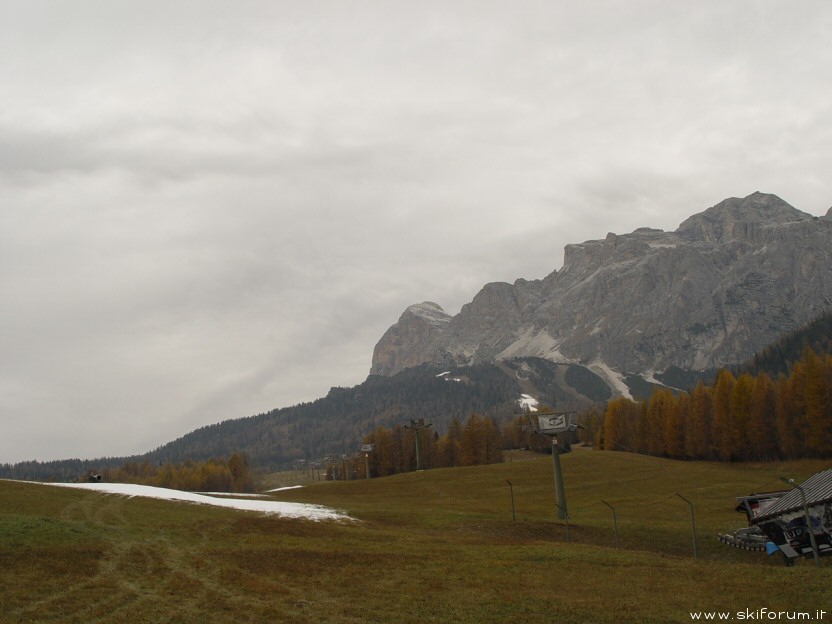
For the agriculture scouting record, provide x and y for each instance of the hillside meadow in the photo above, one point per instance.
(433, 546)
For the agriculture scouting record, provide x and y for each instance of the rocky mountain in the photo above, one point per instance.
(728, 282)
(411, 341)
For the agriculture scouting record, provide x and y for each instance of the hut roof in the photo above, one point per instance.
(818, 491)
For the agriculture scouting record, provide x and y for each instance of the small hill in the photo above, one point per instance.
(336, 424)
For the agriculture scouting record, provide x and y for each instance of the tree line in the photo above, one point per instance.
(741, 417)
(478, 441)
(214, 475)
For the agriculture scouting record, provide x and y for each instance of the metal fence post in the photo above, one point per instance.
(614, 523)
(692, 523)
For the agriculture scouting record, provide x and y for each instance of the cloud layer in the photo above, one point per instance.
(208, 210)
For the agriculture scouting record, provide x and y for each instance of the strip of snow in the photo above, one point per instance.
(233, 494)
(650, 377)
(281, 489)
(443, 374)
(286, 510)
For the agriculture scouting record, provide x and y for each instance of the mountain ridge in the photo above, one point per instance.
(728, 281)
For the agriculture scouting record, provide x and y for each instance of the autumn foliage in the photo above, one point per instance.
(215, 475)
(739, 418)
(478, 441)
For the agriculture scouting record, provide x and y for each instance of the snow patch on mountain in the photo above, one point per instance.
(528, 402)
(613, 378)
(430, 312)
(650, 377)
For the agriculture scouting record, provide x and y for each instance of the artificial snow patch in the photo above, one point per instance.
(233, 494)
(278, 508)
(528, 402)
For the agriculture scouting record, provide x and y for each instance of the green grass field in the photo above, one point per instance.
(434, 546)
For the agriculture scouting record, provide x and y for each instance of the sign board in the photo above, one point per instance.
(368, 448)
(553, 423)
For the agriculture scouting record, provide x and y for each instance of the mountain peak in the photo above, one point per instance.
(736, 218)
(430, 312)
(412, 340)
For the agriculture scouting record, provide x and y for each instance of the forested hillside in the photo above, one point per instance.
(333, 424)
(778, 358)
(337, 422)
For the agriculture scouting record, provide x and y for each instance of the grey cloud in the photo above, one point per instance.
(207, 212)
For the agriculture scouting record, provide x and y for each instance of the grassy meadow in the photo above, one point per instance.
(433, 546)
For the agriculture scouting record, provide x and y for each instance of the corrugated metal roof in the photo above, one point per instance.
(818, 490)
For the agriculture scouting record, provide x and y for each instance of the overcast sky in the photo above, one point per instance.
(212, 209)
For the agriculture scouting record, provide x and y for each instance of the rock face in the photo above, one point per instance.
(411, 341)
(727, 282)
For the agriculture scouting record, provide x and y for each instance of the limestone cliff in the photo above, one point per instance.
(727, 282)
(410, 342)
